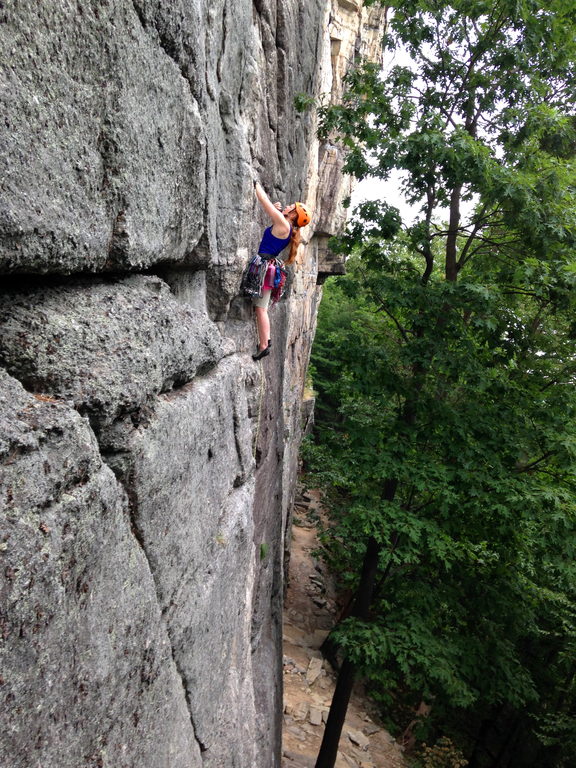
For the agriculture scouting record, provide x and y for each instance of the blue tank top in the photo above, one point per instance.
(272, 245)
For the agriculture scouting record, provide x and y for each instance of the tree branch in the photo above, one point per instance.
(533, 464)
(471, 237)
(403, 332)
(427, 251)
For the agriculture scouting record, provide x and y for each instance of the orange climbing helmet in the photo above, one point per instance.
(304, 214)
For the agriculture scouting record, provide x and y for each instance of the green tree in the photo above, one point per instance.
(449, 359)
(475, 576)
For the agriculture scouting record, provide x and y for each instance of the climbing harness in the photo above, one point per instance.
(279, 283)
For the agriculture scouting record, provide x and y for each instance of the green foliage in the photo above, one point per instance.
(443, 754)
(474, 496)
(445, 363)
(303, 102)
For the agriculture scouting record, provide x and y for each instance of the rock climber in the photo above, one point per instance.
(285, 229)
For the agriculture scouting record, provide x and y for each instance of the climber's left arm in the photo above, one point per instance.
(274, 210)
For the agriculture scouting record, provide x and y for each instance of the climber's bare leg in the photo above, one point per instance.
(263, 323)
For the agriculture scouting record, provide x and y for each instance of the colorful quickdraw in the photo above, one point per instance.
(279, 283)
(253, 277)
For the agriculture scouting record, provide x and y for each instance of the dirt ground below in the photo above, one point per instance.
(310, 610)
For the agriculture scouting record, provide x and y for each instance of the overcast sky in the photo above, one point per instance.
(376, 189)
(390, 190)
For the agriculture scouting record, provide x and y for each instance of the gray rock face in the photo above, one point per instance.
(130, 127)
(107, 347)
(199, 543)
(147, 464)
(87, 666)
(103, 154)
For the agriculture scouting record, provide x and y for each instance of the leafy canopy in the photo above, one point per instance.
(445, 360)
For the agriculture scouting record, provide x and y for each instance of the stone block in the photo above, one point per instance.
(300, 711)
(107, 347)
(87, 667)
(358, 738)
(315, 716)
(345, 761)
(313, 671)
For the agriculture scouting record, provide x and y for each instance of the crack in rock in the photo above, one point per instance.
(132, 507)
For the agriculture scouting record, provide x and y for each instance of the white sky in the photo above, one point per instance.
(390, 190)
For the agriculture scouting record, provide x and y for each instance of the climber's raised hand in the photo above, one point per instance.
(280, 226)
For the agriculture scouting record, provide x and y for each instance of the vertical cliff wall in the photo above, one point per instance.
(147, 464)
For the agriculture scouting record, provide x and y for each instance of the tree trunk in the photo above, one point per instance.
(329, 747)
(339, 706)
(329, 648)
(451, 240)
(364, 594)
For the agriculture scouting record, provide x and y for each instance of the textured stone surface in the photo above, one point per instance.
(149, 631)
(131, 126)
(105, 346)
(175, 449)
(103, 155)
(199, 545)
(86, 663)
(354, 30)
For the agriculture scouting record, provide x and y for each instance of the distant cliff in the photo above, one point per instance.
(147, 464)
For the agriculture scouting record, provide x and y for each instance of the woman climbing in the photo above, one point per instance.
(285, 228)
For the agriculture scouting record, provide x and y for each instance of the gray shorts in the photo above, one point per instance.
(264, 300)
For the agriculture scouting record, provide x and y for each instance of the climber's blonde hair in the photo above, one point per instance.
(299, 217)
(294, 243)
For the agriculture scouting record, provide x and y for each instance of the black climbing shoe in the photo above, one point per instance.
(262, 353)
